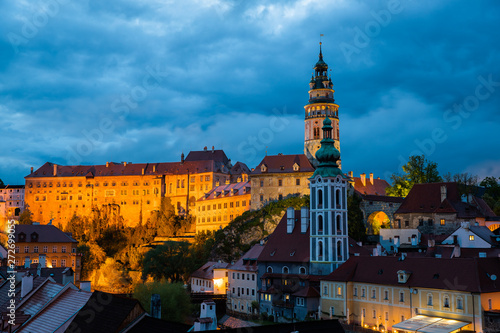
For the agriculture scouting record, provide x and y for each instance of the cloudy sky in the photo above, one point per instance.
(85, 82)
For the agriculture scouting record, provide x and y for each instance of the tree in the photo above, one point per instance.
(418, 170)
(175, 302)
(467, 183)
(25, 217)
(492, 194)
(1, 183)
(356, 226)
(93, 257)
(168, 261)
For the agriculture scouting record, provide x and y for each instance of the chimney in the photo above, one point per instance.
(456, 251)
(55, 170)
(27, 262)
(155, 306)
(443, 192)
(154, 168)
(396, 241)
(124, 163)
(85, 286)
(205, 148)
(414, 240)
(182, 158)
(228, 181)
(107, 164)
(213, 149)
(143, 171)
(290, 220)
(371, 178)
(304, 219)
(217, 183)
(351, 174)
(363, 178)
(26, 284)
(31, 169)
(42, 260)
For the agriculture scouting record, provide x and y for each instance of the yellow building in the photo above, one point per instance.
(391, 293)
(221, 205)
(47, 245)
(278, 176)
(131, 190)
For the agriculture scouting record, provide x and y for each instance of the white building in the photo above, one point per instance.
(208, 317)
(468, 236)
(203, 280)
(243, 282)
(11, 203)
(393, 239)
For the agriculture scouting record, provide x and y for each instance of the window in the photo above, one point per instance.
(442, 221)
(401, 296)
(269, 269)
(374, 293)
(386, 295)
(339, 291)
(26, 249)
(45, 249)
(489, 304)
(280, 182)
(387, 316)
(63, 249)
(429, 300)
(320, 223)
(325, 290)
(302, 270)
(63, 262)
(54, 262)
(355, 291)
(332, 311)
(374, 313)
(446, 302)
(253, 277)
(420, 222)
(261, 197)
(407, 223)
(460, 305)
(363, 292)
(54, 249)
(261, 183)
(297, 181)
(471, 238)
(430, 222)
(363, 313)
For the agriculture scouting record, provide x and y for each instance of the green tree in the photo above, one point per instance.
(418, 170)
(357, 228)
(25, 217)
(168, 261)
(492, 194)
(1, 183)
(175, 303)
(467, 183)
(92, 258)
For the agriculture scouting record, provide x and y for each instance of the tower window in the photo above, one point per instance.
(316, 132)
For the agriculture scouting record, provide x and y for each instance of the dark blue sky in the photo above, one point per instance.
(142, 81)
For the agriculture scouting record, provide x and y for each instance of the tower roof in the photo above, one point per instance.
(327, 155)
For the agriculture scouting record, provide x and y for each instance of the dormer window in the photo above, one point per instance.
(403, 276)
(22, 237)
(263, 168)
(296, 167)
(34, 237)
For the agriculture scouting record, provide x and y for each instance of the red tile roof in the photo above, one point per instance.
(208, 155)
(240, 168)
(207, 271)
(129, 169)
(222, 191)
(377, 188)
(309, 292)
(248, 261)
(47, 233)
(284, 164)
(284, 247)
(426, 198)
(461, 274)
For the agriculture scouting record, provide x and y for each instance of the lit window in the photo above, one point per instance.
(442, 221)
(471, 238)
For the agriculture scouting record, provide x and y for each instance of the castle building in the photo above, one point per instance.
(130, 190)
(279, 176)
(329, 243)
(11, 203)
(221, 205)
(321, 105)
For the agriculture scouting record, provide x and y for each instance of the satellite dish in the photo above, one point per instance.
(493, 277)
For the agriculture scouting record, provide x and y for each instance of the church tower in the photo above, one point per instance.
(321, 105)
(329, 243)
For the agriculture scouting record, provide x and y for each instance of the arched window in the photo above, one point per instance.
(302, 270)
(285, 270)
(320, 250)
(446, 302)
(320, 223)
(337, 198)
(429, 300)
(269, 269)
(338, 225)
(339, 250)
(460, 303)
(320, 199)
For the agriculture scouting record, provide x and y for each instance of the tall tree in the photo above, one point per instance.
(418, 170)
(25, 217)
(467, 183)
(357, 228)
(1, 183)
(492, 195)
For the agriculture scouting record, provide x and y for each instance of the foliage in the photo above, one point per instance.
(93, 257)
(467, 183)
(175, 302)
(356, 226)
(492, 194)
(25, 217)
(1, 183)
(418, 170)
(110, 275)
(168, 261)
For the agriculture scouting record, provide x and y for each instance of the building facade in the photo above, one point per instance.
(279, 176)
(48, 246)
(11, 203)
(388, 293)
(321, 105)
(130, 190)
(210, 278)
(221, 205)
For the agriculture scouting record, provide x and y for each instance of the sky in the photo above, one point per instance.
(85, 82)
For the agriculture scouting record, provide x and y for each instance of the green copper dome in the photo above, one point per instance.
(327, 155)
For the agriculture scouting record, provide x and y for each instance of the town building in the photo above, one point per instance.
(278, 177)
(11, 203)
(128, 190)
(244, 282)
(221, 205)
(208, 317)
(391, 293)
(210, 278)
(321, 105)
(471, 236)
(48, 246)
(439, 208)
